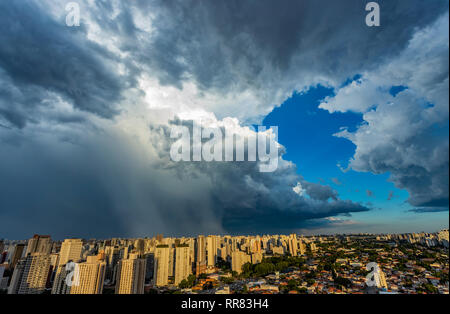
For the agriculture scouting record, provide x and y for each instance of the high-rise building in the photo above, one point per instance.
(301, 247)
(293, 244)
(131, 275)
(380, 279)
(84, 278)
(139, 246)
(39, 244)
(17, 254)
(256, 258)
(149, 266)
(211, 247)
(161, 271)
(201, 249)
(255, 245)
(70, 251)
(238, 259)
(91, 275)
(183, 266)
(31, 274)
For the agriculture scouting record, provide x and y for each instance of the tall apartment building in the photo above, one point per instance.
(211, 247)
(131, 275)
(17, 254)
(200, 255)
(238, 259)
(70, 251)
(39, 244)
(255, 245)
(380, 280)
(256, 258)
(161, 271)
(301, 246)
(149, 267)
(293, 244)
(91, 276)
(183, 266)
(31, 274)
(85, 278)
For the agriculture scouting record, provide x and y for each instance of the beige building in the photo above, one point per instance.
(91, 275)
(238, 259)
(301, 246)
(201, 250)
(211, 247)
(293, 245)
(70, 251)
(161, 268)
(131, 275)
(183, 266)
(31, 274)
(39, 244)
(381, 279)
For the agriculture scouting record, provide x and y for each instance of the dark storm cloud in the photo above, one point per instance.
(428, 210)
(221, 43)
(81, 182)
(45, 188)
(319, 192)
(254, 201)
(40, 55)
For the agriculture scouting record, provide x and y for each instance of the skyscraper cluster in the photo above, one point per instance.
(129, 266)
(77, 266)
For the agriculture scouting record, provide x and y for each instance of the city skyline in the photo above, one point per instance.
(413, 263)
(150, 236)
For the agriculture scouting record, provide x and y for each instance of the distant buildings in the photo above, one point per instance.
(133, 266)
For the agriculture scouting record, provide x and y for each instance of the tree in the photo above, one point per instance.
(247, 269)
(343, 282)
(183, 284)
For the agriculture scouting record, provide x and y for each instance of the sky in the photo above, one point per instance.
(86, 114)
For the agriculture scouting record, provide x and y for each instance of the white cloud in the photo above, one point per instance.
(404, 135)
